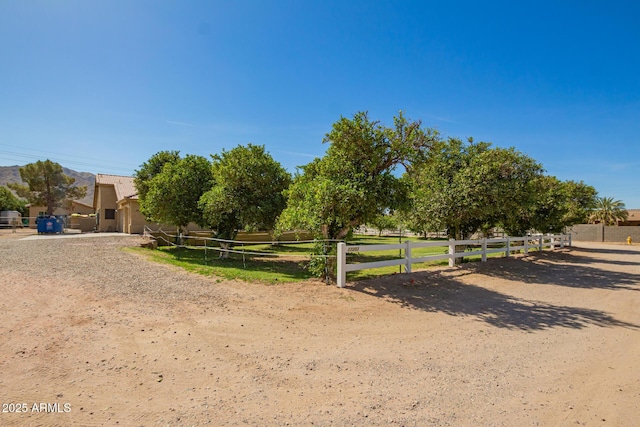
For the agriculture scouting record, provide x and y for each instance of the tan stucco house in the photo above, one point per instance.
(115, 201)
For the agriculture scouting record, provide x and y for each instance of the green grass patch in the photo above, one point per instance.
(282, 263)
(270, 270)
(363, 257)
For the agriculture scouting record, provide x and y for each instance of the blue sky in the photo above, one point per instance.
(100, 86)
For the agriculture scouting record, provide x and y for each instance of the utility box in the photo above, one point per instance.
(50, 224)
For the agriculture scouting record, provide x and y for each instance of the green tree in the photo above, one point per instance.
(148, 170)
(580, 200)
(172, 194)
(354, 182)
(47, 185)
(511, 188)
(386, 221)
(608, 211)
(560, 204)
(441, 200)
(9, 202)
(248, 191)
(462, 188)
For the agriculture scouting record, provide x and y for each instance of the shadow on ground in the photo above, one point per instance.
(570, 268)
(444, 291)
(622, 250)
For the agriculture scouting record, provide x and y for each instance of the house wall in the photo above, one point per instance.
(34, 211)
(84, 224)
(79, 208)
(130, 220)
(106, 199)
(138, 220)
(121, 219)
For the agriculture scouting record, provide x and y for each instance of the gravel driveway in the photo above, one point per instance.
(95, 259)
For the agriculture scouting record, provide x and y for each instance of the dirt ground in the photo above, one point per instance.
(551, 339)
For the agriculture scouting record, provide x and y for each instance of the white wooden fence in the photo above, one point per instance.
(505, 245)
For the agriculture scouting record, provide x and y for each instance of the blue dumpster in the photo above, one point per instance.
(50, 224)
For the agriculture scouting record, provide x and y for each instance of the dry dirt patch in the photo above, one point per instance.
(549, 339)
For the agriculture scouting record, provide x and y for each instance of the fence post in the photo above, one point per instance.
(562, 241)
(484, 250)
(452, 253)
(407, 257)
(508, 252)
(569, 239)
(526, 245)
(540, 244)
(552, 241)
(342, 261)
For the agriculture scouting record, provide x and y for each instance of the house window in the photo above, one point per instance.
(109, 214)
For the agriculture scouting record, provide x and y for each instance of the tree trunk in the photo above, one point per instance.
(224, 253)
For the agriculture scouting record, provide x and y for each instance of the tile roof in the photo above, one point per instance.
(124, 185)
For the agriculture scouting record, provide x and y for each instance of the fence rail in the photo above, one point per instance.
(505, 245)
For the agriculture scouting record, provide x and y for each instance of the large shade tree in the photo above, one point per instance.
(172, 194)
(560, 204)
(247, 192)
(148, 170)
(463, 187)
(354, 182)
(47, 185)
(579, 200)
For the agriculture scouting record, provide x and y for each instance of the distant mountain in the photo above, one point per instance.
(12, 174)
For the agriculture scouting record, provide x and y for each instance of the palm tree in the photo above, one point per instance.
(608, 211)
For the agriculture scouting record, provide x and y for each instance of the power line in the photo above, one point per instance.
(83, 158)
(59, 158)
